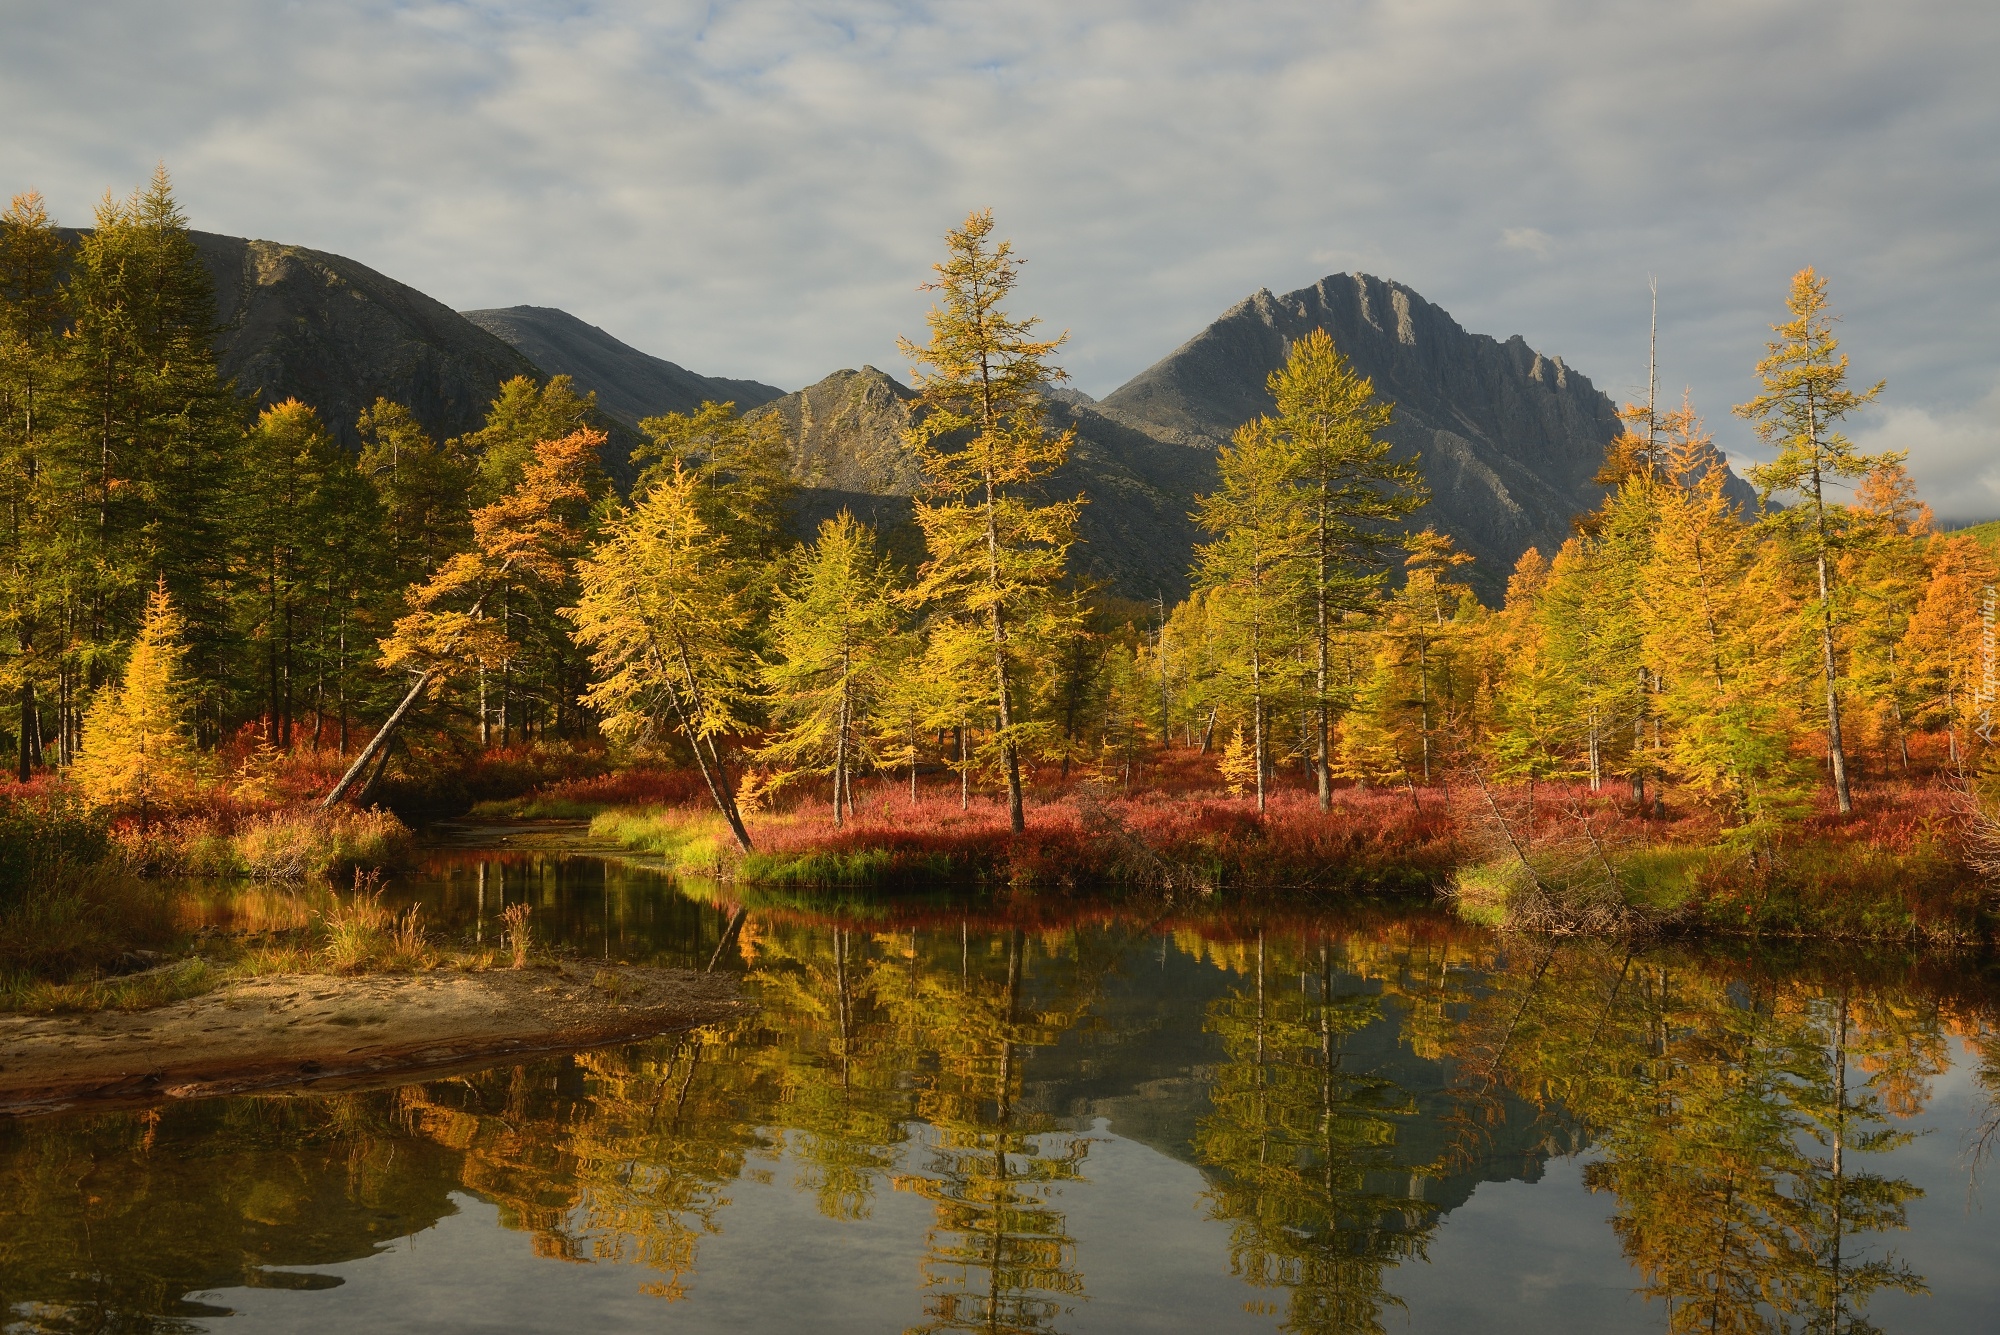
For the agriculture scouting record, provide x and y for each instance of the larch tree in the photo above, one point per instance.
(995, 552)
(743, 465)
(527, 542)
(833, 637)
(1252, 570)
(1885, 569)
(284, 529)
(1804, 398)
(1352, 496)
(424, 489)
(521, 416)
(1530, 735)
(662, 615)
(1942, 644)
(1422, 625)
(33, 254)
(137, 746)
(150, 433)
(1718, 616)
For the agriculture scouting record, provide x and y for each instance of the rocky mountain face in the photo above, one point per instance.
(1508, 438)
(331, 332)
(630, 384)
(848, 453)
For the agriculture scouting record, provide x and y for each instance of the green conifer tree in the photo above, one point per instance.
(33, 254)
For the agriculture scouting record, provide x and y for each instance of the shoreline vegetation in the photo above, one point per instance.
(231, 648)
(1900, 872)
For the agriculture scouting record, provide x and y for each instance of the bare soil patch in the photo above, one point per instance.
(317, 1030)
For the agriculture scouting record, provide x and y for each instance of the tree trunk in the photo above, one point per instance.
(840, 755)
(1322, 770)
(1257, 720)
(1836, 754)
(29, 728)
(377, 742)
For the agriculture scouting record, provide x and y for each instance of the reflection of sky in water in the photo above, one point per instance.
(1136, 1064)
(1534, 1258)
(1152, 1261)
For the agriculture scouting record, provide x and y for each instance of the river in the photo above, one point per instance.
(958, 1114)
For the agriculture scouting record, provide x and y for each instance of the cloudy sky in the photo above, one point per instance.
(755, 189)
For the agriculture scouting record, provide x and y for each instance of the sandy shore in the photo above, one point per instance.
(324, 1031)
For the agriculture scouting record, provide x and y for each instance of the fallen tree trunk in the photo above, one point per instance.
(377, 742)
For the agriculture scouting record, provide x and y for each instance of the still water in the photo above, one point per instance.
(1065, 1116)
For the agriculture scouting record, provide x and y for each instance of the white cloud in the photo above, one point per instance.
(1954, 456)
(755, 187)
(1530, 240)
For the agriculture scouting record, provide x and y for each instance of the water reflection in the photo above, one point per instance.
(1342, 1084)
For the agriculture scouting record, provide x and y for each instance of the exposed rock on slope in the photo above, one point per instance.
(630, 384)
(335, 334)
(848, 453)
(1509, 439)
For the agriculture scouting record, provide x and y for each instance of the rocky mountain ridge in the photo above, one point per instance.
(630, 384)
(334, 333)
(1509, 438)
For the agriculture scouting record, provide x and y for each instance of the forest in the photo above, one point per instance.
(220, 631)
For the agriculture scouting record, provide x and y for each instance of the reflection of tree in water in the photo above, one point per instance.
(833, 1057)
(1727, 1112)
(1736, 1116)
(997, 1256)
(1305, 1142)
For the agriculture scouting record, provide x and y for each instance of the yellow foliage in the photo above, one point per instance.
(136, 744)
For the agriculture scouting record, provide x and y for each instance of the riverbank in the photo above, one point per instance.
(1557, 860)
(293, 1030)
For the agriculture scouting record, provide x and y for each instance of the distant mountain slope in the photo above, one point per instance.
(848, 453)
(1508, 439)
(630, 384)
(336, 334)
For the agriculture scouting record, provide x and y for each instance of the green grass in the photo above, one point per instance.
(1987, 533)
(855, 867)
(21, 991)
(696, 844)
(1660, 878)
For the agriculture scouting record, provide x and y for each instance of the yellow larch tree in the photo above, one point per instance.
(662, 614)
(137, 746)
(1352, 495)
(1719, 619)
(1805, 396)
(994, 553)
(1944, 645)
(833, 640)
